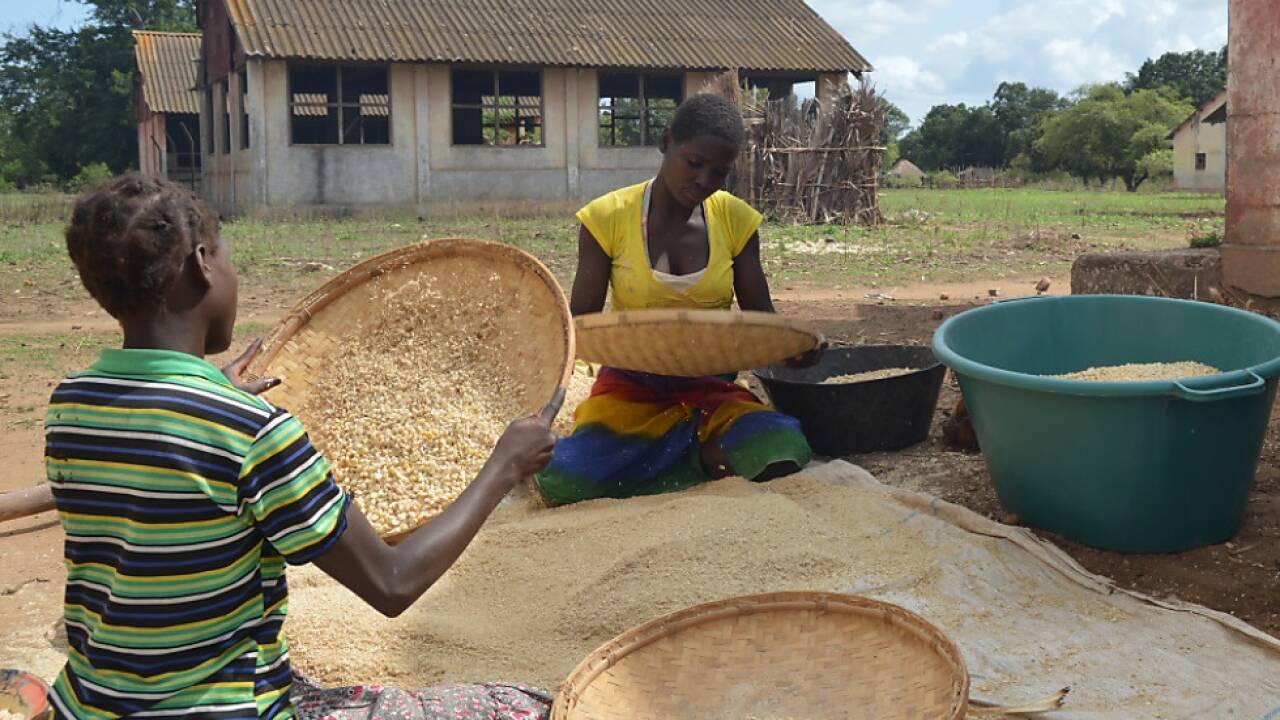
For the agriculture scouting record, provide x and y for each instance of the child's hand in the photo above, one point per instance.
(525, 448)
(811, 358)
(236, 368)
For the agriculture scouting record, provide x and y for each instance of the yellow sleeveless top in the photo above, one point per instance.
(614, 220)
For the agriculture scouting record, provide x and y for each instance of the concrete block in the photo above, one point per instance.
(1253, 269)
(1186, 274)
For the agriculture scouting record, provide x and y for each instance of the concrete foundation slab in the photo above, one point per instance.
(1185, 274)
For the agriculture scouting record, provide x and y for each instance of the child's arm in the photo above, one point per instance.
(591, 283)
(392, 578)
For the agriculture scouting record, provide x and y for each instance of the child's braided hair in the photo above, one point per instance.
(130, 236)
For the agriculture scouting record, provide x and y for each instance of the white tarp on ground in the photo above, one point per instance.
(1030, 620)
(1027, 617)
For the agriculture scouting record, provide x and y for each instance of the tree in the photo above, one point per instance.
(1021, 110)
(896, 121)
(1107, 134)
(956, 136)
(1196, 76)
(67, 93)
(936, 143)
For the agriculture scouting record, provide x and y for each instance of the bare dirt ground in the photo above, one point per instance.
(1241, 577)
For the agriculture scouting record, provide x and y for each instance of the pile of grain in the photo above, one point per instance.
(870, 375)
(540, 589)
(409, 417)
(1142, 372)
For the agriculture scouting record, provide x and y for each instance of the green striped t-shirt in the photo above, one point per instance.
(182, 499)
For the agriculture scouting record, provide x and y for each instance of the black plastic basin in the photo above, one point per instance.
(874, 416)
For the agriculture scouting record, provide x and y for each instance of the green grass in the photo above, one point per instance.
(34, 208)
(1081, 209)
(930, 235)
(55, 354)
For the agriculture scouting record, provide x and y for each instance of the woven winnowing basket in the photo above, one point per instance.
(691, 343)
(328, 320)
(783, 655)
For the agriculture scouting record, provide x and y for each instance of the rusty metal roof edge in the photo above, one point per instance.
(265, 55)
(440, 31)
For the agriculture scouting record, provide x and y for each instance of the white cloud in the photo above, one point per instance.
(931, 51)
(1074, 62)
(862, 22)
(898, 74)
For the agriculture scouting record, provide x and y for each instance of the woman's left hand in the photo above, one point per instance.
(236, 368)
(811, 358)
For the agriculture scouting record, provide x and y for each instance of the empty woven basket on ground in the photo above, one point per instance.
(495, 284)
(783, 655)
(691, 343)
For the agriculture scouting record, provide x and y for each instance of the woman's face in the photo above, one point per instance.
(694, 169)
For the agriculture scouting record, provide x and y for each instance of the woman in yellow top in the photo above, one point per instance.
(677, 241)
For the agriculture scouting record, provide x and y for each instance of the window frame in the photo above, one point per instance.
(496, 71)
(646, 129)
(1201, 161)
(339, 105)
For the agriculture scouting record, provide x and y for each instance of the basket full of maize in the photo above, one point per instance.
(407, 367)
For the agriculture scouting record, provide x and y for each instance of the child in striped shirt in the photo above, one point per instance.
(184, 495)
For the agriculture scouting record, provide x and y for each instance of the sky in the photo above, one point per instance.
(927, 52)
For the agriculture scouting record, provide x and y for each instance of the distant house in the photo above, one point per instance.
(906, 172)
(166, 105)
(412, 103)
(1200, 148)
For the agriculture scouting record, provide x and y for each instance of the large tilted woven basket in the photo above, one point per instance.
(328, 320)
(691, 343)
(783, 655)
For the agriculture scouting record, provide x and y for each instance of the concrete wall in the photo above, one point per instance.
(304, 175)
(228, 178)
(1201, 137)
(421, 168)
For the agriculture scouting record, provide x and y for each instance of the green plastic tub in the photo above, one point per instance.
(1132, 466)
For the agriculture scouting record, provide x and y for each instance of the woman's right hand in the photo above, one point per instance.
(525, 447)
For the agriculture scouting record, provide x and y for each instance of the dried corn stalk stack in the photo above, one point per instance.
(812, 162)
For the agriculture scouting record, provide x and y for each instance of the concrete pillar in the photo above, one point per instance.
(422, 130)
(829, 84)
(573, 132)
(259, 136)
(1251, 254)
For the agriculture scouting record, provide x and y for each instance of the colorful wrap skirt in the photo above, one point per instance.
(641, 434)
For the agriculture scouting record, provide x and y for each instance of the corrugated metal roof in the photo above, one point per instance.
(760, 35)
(168, 63)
